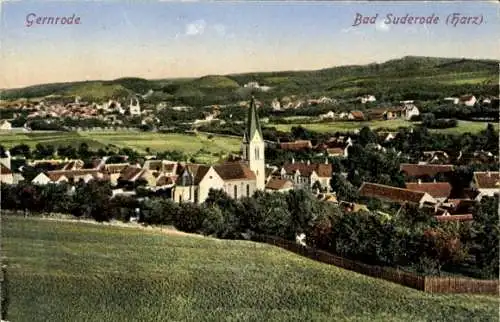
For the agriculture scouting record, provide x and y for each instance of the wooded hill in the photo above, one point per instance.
(419, 78)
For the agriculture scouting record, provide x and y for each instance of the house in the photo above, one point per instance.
(343, 116)
(409, 111)
(6, 175)
(5, 125)
(279, 185)
(394, 194)
(43, 179)
(305, 175)
(298, 145)
(468, 100)
(387, 136)
(356, 116)
(424, 171)
(114, 170)
(330, 115)
(335, 147)
(436, 157)
(366, 99)
(275, 104)
(453, 100)
(132, 174)
(487, 183)
(74, 176)
(385, 113)
(438, 190)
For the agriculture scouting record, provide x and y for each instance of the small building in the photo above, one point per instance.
(424, 171)
(367, 99)
(409, 111)
(487, 183)
(5, 125)
(395, 194)
(306, 174)
(468, 100)
(298, 145)
(356, 116)
(279, 185)
(438, 190)
(6, 175)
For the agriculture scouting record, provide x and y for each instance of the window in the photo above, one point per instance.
(248, 190)
(235, 191)
(180, 198)
(196, 195)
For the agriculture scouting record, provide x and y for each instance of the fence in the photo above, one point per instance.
(423, 283)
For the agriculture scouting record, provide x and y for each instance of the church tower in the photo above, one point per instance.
(253, 146)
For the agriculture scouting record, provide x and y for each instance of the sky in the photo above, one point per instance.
(154, 39)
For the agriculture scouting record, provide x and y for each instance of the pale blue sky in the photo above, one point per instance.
(182, 39)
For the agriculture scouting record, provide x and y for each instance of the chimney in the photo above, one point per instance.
(419, 181)
(308, 162)
(293, 160)
(326, 160)
(489, 174)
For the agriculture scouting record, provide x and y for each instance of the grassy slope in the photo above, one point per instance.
(84, 272)
(139, 141)
(463, 126)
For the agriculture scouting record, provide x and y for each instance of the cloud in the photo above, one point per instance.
(196, 28)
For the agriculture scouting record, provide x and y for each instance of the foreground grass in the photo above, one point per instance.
(343, 126)
(60, 271)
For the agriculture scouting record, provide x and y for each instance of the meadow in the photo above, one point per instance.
(343, 126)
(70, 271)
(211, 149)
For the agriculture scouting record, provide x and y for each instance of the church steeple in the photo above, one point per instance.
(253, 123)
(253, 146)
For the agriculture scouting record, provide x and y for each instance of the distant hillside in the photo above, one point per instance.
(406, 78)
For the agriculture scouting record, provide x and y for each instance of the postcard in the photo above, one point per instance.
(249, 161)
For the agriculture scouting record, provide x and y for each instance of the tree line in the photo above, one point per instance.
(410, 238)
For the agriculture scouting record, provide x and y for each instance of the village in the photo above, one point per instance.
(241, 175)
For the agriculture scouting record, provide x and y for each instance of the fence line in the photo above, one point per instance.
(428, 284)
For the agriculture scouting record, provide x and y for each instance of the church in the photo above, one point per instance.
(237, 178)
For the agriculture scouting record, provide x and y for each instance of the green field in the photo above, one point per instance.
(340, 126)
(69, 271)
(157, 142)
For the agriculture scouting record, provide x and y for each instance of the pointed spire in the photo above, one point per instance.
(253, 124)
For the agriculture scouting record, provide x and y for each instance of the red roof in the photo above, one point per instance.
(487, 180)
(322, 170)
(358, 115)
(278, 184)
(435, 189)
(419, 170)
(234, 171)
(390, 193)
(4, 169)
(297, 145)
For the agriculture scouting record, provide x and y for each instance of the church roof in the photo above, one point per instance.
(253, 123)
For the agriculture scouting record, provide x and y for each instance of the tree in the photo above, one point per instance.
(485, 235)
(21, 150)
(366, 136)
(92, 200)
(441, 247)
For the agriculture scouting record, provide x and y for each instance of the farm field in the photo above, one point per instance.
(156, 142)
(70, 271)
(339, 126)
